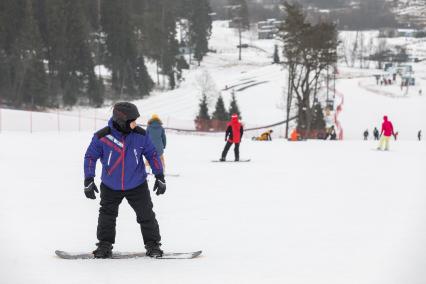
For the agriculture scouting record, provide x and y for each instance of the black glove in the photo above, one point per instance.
(90, 188)
(160, 184)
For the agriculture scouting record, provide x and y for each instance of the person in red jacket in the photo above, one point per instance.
(385, 134)
(234, 133)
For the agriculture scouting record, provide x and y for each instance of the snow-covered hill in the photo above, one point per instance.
(311, 212)
(259, 87)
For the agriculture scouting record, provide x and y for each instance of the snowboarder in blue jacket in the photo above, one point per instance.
(120, 147)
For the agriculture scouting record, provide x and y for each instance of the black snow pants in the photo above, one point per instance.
(236, 150)
(140, 200)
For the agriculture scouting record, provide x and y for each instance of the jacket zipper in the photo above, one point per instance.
(122, 167)
(136, 156)
(109, 158)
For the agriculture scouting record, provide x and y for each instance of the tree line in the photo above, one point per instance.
(52, 51)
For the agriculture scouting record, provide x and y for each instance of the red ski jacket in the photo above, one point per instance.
(387, 127)
(234, 130)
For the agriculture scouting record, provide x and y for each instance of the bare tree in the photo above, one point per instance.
(310, 50)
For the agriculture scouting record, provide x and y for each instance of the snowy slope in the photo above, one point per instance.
(359, 218)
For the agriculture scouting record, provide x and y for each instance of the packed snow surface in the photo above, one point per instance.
(304, 212)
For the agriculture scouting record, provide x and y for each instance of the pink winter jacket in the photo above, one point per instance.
(387, 127)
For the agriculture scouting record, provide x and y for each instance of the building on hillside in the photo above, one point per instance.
(268, 4)
(268, 29)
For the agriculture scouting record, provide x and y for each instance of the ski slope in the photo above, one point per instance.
(308, 212)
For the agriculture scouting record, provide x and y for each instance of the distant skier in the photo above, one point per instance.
(294, 136)
(366, 134)
(331, 133)
(419, 135)
(385, 134)
(234, 133)
(376, 133)
(120, 147)
(157, 134)
(265, 136)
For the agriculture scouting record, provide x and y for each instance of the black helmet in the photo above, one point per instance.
(124, 112)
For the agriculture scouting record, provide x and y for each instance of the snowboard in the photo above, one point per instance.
(128, 255)
(232, 161)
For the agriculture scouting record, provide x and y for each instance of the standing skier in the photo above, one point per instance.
(419, 135)
(234, 133)
(376, 133)
(366, 134)
(120, 147)
(385, 134)
(157, 135)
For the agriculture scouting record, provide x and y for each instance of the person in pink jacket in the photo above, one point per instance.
(385, 134)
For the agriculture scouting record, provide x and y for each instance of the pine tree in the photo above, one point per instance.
(200, 26)
(28, 80)
(78, 64)
(220, 112)
(318, 121)
(96, 90)
(241, 12)
(159, 30)
(203, 112)
(144, 82)
(182, 64)
(233, 107)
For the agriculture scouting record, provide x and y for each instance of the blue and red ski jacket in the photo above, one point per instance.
(123, 167)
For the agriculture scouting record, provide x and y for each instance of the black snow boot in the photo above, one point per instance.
(223, 159)
(153, 250)
(104, 250)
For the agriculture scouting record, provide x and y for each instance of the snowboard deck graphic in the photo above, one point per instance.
(128, 255)
(232, 161)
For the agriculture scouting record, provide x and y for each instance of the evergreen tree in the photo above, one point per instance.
(233, 107)
(159, 30)
(144, 82)
(121, 47)
(220, 112)
(318, 121)
(203, 112)
(78, 64)
(182, 64)
(22, 51)
(200, 26)
(241, 12)
(95, 91)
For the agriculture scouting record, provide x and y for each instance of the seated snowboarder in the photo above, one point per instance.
(120, 147)
(265, 136)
